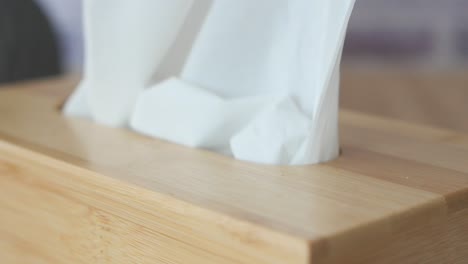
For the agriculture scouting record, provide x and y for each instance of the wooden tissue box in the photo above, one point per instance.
(75, 192)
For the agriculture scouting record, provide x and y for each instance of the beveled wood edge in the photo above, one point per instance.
(316, 249)
(237, 229)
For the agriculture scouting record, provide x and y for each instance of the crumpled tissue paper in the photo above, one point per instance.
(255, 79)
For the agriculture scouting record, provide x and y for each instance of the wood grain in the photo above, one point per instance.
(74, 191)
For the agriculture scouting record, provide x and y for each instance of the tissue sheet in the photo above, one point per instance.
(258, 80)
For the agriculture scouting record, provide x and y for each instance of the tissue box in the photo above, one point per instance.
(75, 192)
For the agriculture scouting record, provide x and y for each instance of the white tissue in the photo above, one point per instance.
(258, 80)
(125, 42)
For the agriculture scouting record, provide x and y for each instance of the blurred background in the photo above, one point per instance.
(412, 33)
(403, 58)
(407, 33)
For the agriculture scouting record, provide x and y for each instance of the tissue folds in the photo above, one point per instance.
(260, 81)
(126, 41)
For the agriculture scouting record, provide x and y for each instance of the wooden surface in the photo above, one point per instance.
(427, 97)
(73, 191)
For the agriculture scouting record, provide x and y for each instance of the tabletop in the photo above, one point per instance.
(398, 192)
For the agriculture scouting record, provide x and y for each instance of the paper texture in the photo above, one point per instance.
(258, 80)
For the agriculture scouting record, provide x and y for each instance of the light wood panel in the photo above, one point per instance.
(74, 191)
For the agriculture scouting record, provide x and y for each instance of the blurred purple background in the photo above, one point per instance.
(405, 33)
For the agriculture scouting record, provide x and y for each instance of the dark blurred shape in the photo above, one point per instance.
(462, 43)
(390, 45)
(28, 48)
